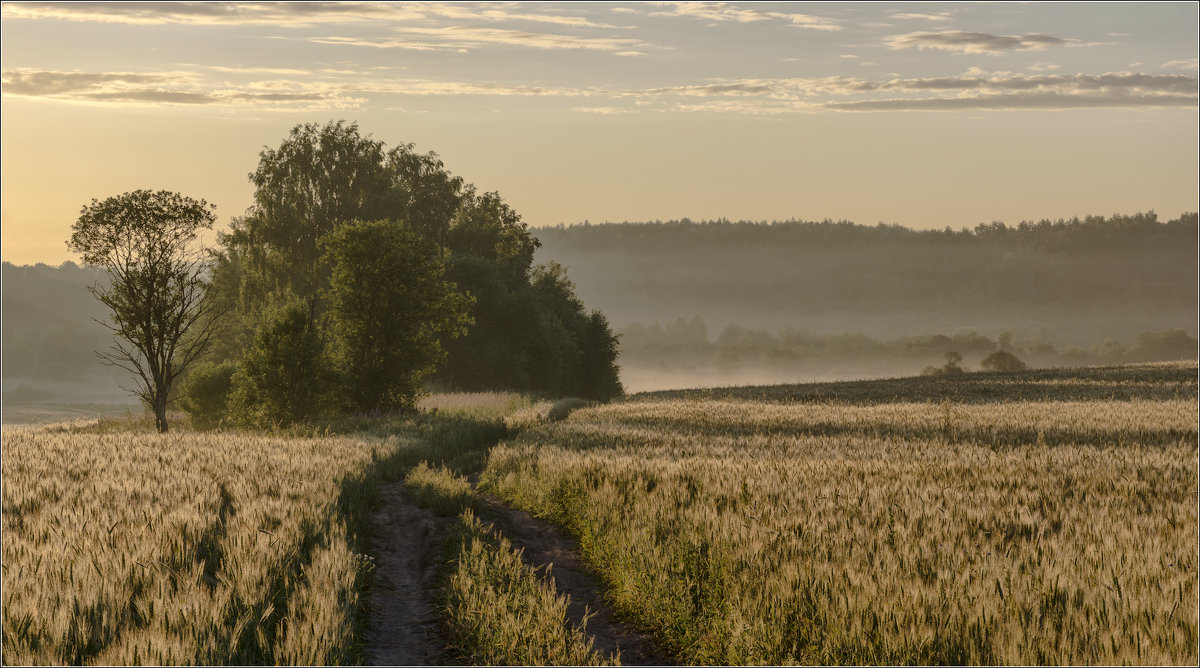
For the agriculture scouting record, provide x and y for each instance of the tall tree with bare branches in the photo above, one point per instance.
(147, 242)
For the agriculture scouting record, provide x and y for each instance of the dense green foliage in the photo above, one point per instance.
(395, 259)
(205, 395)
(285, 376)
(389, 308)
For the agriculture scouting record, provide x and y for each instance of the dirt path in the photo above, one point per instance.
(545, 544)
(404, 628)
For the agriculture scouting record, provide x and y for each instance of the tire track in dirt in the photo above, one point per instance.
(404, 620)
(404, 624)
(544, 545)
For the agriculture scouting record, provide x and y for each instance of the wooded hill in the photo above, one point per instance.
(1073, 282)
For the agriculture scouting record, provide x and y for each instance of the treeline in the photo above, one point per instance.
(1068, 277)
(49, 335)
(1085, 234)
(686, 343)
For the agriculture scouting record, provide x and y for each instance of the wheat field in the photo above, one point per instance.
(865, 529)
(126, 548)
(1043, 517)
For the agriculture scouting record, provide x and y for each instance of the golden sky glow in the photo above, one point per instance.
(926, 115)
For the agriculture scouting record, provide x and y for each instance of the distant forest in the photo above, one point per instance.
(792, 298)
(50, 337)
(1073, 282)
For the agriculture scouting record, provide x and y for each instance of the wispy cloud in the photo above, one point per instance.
(721, 12)
(174, 88)
(281, 71)
(938, 17)
(975, 42)
(471, 37)
(1018, 101)
(204, 13)
(606, 111)
(1187, 64)
(974, 89)
(283, 13)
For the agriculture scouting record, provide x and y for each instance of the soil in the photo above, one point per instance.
(404, 628)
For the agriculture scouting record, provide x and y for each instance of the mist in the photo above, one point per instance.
(705, 304)
(721, 303)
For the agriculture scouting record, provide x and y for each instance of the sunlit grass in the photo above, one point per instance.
(992, 529)
(500, 611)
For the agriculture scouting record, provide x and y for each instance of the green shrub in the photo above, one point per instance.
(285, 376)
(206, 394)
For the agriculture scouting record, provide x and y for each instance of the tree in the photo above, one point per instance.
(389, 307)
(146, 242)
(1002, 360)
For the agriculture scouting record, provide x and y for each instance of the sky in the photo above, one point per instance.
(925, 115)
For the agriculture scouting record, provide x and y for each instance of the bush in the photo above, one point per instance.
(285, 376)
(1002, 360)
(206, 394)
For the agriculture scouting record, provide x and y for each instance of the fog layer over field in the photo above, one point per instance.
(724, 303)
(721, 303)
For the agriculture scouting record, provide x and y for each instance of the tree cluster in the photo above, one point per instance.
(363, 274)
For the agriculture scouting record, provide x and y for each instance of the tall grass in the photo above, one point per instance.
(985, 530)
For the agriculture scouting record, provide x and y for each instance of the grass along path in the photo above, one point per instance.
(556, 553)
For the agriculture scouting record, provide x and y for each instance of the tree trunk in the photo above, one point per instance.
(160, 413)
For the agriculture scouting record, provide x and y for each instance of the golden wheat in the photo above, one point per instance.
(909, 532)
(182, 548)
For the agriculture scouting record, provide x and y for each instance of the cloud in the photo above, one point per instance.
(975, 42)
(261, 70)
(174, 89)
(46, 84)
(1188, 64)
(1019, 101)
(725, 11)
(940, 16)
(470, 37)
(201, 13)
(606, 111)
(972, 90)
(277, 13)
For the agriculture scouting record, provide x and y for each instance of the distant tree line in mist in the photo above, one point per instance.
(687, 344)
(1082, 279)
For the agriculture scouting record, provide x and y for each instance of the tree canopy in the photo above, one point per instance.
(409, 274)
